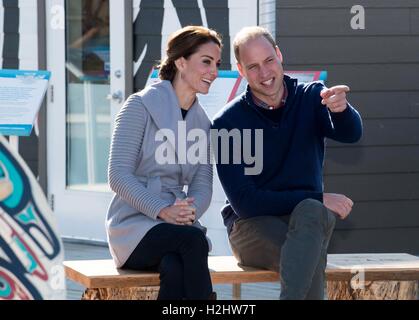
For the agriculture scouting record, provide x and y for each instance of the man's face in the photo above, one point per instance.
(261, 64)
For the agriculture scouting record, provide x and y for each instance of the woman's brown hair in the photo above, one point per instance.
(183, 43)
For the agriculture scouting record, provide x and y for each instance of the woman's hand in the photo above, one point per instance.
(181, 212)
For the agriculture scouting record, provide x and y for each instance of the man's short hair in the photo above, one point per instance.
(250, 33)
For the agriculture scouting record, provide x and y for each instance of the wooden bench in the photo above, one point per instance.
(349, 276)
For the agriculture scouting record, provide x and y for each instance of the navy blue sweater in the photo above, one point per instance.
(293, 151)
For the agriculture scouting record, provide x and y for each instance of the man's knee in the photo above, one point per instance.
(331, 220)
(314, 212)
(311, 203)
(310, 208)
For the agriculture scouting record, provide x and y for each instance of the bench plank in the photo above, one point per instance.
(341, 268)
(103, 274)
(376, 266)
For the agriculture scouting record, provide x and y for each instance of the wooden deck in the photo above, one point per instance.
(83, 251)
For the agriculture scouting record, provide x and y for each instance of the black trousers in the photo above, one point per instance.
(180, 254)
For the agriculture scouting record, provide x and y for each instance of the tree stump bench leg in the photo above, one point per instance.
(373, 290)
(237, 291)
(135, 293)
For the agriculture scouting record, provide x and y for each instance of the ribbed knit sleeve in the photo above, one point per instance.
(201, 186)
(127, 139)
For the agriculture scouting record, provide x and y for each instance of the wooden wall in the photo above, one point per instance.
(381, 65)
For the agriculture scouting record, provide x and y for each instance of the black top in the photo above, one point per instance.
(184, 112)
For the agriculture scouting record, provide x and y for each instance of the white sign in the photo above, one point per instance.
(229, 84)
(21, 95)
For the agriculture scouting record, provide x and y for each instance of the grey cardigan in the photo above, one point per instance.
(142, 186)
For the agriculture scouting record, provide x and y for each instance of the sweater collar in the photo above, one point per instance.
(291, 85)
(264, 105)
(161, 102)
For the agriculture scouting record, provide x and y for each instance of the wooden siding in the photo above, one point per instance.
(381, 65)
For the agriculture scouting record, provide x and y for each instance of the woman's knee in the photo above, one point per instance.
(196, 239)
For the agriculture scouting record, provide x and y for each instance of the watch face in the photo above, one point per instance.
(6, 186)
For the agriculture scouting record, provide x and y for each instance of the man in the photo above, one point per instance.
(280, 219)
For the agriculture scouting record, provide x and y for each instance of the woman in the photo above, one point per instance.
(152, 224)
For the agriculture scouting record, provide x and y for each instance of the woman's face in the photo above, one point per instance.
(200, 69)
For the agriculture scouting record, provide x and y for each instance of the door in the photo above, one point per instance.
(88, 53)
